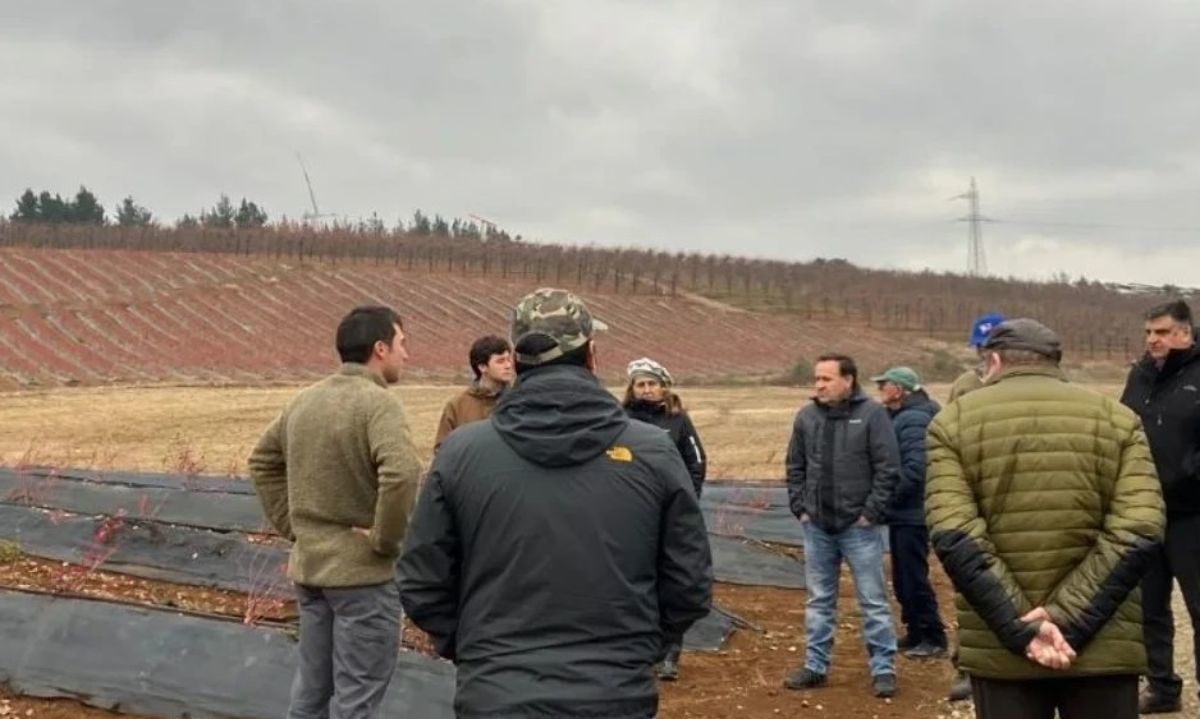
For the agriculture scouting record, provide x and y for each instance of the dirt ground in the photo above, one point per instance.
(747, 679)
(211, 430)
(19, 707)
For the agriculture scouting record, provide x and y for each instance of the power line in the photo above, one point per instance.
(1097, 226)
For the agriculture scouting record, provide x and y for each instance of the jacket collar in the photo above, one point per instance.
(913, 400)
(857, 397)
(1176, 359)
(356, 369)
(478, 391)
(1028, 371)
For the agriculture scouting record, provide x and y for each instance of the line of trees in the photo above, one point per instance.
(86, 209)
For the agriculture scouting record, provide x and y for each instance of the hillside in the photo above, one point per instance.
(86, 304)
(99, 316)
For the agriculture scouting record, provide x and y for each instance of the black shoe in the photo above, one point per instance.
(884, 685)
(960, 690)
(667, 669)
(804, 678)
(925, 650)
(908, 641)
(1152, 702)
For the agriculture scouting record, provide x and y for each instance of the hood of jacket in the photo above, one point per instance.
(559, 416)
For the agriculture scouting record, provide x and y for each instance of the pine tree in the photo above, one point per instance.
(131, 214)
(249, 215)
(86, 209)
(27, 208)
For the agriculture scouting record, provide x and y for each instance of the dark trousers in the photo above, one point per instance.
(1111, 697)
(910, 580)
(1179, 559)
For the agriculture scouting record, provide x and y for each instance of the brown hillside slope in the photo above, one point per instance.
(99, 316)
(1098, 322)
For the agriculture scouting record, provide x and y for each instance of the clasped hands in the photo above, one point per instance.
(1048, 648)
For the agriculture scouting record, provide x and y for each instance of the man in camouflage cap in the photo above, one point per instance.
(555, 314)
(555, 545)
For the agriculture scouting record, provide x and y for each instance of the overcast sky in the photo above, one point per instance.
(785, 129)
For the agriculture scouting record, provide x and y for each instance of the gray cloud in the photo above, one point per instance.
(779, 129)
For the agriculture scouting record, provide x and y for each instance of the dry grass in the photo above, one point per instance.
(212, 429)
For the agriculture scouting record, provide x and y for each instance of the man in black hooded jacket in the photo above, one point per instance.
(555, 545)
(1164, 390)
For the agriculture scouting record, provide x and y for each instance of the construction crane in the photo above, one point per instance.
(316, 214)
(487, 225)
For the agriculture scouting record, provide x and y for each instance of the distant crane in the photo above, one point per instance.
(487, 225)
(976, 259)
(315, 215)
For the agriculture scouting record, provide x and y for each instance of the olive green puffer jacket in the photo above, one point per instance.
(1041, 493)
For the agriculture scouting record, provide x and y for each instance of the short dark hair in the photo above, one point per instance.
(1177, 310)
(846, 365)
(484, 348)
(537, 344)
(358, 332)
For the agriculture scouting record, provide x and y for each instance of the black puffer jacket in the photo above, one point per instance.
(911, 422)
(551, 550)
(1168, 401)
(842, 463)
(682, 432)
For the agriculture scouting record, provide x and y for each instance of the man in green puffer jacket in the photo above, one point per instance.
(1044, 508)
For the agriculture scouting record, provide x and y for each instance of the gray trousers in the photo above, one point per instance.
(349, 639)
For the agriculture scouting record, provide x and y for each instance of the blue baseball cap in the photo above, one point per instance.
(984, 324)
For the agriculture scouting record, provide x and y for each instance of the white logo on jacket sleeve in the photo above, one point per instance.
(696, 449)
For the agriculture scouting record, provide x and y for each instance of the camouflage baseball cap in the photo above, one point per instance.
(556, 314)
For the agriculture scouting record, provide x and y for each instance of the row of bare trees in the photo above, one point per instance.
(1096, 321)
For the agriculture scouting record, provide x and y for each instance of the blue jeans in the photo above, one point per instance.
(863, 550)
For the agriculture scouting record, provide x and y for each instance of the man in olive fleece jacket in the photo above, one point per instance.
(1044, 508)
(337, 474)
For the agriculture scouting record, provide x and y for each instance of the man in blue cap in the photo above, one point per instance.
(971, 379)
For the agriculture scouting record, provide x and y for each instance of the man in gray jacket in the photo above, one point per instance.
(842, 465)
(555, 545)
